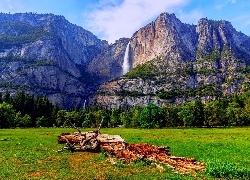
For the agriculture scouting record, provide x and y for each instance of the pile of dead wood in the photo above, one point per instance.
(116, 146)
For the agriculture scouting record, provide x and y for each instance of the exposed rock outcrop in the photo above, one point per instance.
(166, 37)
(172, 62)
(176, 62)
(108, 64)
(45, 54)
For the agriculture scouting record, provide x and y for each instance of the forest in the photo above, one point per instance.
(24, 110)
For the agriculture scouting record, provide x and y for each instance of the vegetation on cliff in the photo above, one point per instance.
(19, 33)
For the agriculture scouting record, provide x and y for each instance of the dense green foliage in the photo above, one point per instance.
(151, 117)
(32, 62)
(18, 33)
(145, 71)
(25, 110)
(28, 111)
(207, 90)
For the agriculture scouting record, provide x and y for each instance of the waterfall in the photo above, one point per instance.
(125, 65)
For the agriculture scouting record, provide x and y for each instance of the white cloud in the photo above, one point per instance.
(111, 20)
(219, 6)
(223, 3)
(242, 21)
(12, 6)
(191, 18)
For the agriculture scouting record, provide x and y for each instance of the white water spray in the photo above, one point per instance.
(125, 65)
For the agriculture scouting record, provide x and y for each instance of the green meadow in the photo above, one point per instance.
(32, 154)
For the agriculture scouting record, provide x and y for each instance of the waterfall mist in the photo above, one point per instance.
(125, 65)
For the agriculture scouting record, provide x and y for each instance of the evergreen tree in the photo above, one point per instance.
(115, 117)
(198, 113)
(18, 102)
(29, 105)
(1, 97)
(7, 98)
(186, 114)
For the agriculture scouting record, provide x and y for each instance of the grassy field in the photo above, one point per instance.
(32, 154)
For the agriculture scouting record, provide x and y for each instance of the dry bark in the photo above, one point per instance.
(116, 146)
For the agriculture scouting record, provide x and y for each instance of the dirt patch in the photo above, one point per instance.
(81, 158)
(34, 174)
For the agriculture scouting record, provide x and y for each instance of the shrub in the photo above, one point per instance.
(219, 169)
(151, 117)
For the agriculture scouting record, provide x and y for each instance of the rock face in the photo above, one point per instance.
(80, 45)
(171, 62)
(108, 64)
(176, 62)
(166, 37)
(45, 54)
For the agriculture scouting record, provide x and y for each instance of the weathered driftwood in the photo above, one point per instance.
(88, 140)
(92, 141)
(116, 146)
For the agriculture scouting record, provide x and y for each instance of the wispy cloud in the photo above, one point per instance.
(191, 17)
(113, 19)
(219, 4)
(244, 21)
(12, 6)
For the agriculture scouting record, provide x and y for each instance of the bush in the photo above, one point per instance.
(23, 121)
(219, 169)
(7, 115)
(145, 71)
(42, 121)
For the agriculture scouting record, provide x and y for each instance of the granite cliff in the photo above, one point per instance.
(175, 62)
(47, 55)
(170, 62)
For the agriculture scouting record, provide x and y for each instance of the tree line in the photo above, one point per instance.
(25, 110)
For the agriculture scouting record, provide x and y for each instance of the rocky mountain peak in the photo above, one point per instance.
(166, 37)
(166, 18)
(46, 54)
(80, 44)
(213, 35)
(174, 62)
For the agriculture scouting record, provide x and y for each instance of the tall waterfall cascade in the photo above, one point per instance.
(125, 65)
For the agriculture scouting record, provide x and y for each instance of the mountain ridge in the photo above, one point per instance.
(166, 56)
(206, 60)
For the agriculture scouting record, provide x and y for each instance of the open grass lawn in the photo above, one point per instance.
(32, 154)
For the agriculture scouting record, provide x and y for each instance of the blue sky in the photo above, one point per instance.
(113, 19)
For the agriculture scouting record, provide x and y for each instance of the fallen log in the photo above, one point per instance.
(116, 146)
